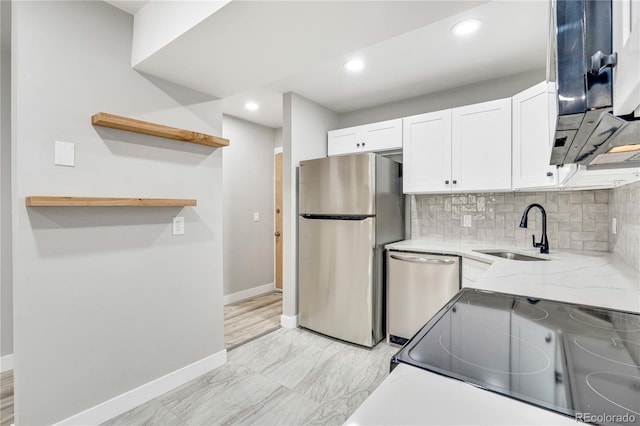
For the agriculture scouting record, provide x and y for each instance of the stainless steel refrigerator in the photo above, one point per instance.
(349, 208)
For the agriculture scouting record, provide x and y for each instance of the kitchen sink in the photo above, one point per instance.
(509, 255)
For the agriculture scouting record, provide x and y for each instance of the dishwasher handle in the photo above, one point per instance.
(420, 259)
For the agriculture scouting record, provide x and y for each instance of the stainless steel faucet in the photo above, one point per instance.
(544, 242)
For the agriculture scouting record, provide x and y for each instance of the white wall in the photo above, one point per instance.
(502, 87)
(304, 136)
(105, 298)
(6, 286)
(159, 23)
(277, 139)
(248, 176)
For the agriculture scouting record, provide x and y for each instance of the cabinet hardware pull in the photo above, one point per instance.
(446, 182)
(455, 181)
(417, 259)
(549, 174)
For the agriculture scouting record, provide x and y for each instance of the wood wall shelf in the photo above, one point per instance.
(44, 201)
(138, 126)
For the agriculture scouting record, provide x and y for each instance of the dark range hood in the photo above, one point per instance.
(580, 63)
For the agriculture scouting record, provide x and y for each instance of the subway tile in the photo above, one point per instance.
(588, 197)
(460, 199)
(564, 239)
(602, 232)
(592, 207)
(480, 204)
(539, 199)
(589, 224)
(575, 212)
(596, 245)
(443, 215)
(601, 196)
(569, 226)
(504, 208)
(509, 198)
(552, 198)
(583, 236)
(575, 197)
(576, 245)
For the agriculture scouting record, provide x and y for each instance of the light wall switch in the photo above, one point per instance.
(256, 216)
(614, 226)
(466, 221)
(64, 154)
(178, 225)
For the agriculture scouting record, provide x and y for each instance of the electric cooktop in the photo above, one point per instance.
(581, 361)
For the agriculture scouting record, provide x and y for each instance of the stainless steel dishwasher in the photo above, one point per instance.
(418, 286)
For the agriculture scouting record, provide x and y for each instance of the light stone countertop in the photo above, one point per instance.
(583, 277)
(411, 396)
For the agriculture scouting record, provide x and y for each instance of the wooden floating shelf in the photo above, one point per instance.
(38, 201)
(138, 126)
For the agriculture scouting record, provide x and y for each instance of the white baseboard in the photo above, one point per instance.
(131, 399)
(245, 294)
(6, 363)
(289, 322)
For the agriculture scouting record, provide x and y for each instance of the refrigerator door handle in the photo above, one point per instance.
(420, 259)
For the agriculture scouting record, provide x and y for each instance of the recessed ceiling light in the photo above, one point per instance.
(251, 106)
(466, 27)
(354, 65)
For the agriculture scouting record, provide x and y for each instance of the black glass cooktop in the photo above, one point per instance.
(581, 361)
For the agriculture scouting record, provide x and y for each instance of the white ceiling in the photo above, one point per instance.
(258, 50)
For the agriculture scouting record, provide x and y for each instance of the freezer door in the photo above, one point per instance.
(341, 185)
(337, 294)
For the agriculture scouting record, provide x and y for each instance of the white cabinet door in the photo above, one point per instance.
(374, 137)
(382, 136)
(481, 146)
(626, 42)
(426, 152)
(532, 139)
(344, 141)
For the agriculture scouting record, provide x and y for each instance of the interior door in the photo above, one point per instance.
(278, 216)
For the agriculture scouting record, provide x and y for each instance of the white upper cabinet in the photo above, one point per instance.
(375, 137)
(461, 149)
(532, 136)
(626, 42)
(481, 146)
(426, 152)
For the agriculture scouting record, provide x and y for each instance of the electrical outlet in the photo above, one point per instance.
(466, 221)
(178, 225)
(614, 226)
(256, 216)
(64, 154)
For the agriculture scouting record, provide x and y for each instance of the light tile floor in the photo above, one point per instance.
(288, 377)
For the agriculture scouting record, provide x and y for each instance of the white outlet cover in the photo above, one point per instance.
(64, 154)
(178, 225)
(256, 216)
(466, 221)
(614, 226)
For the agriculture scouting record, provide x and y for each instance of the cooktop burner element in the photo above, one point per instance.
(613, 350)
(606, 321)
(492, 363)
(580, 361)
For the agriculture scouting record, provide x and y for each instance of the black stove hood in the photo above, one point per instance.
(580, 63)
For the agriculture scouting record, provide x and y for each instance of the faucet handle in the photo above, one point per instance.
(533, 239)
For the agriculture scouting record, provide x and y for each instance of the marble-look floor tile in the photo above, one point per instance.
(347, 372)
(151, 413)
(224, 398)
(288, 377)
